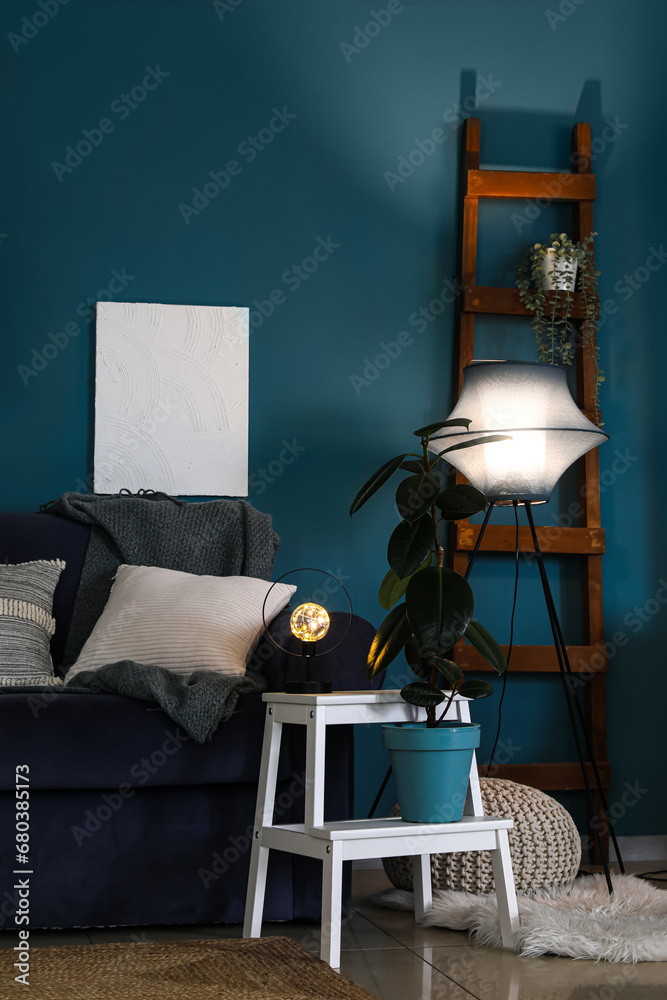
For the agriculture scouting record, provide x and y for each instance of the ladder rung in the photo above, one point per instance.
(554, 539)
(549, 777)
(506, 301)
(529, 184)
(536, 659)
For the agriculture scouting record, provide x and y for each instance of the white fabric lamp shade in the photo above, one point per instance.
(531, 402)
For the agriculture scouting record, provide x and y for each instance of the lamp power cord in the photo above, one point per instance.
(511, 642)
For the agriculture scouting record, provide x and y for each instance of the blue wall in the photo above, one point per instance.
(352, 103)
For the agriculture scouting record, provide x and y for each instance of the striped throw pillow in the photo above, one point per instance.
(181, 621)
(27, 623)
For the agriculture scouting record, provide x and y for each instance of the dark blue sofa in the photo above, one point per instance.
(132, 822)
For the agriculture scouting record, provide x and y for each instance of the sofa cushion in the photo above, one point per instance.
(24, 537)
(106, 741)
(181, 621)
(27, 622)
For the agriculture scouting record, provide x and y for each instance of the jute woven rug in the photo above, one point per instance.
(272, 968)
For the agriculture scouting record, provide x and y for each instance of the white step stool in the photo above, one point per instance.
(335, 843)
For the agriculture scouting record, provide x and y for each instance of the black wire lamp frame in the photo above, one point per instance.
(308, 648)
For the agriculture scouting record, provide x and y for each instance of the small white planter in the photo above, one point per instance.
(566, 277)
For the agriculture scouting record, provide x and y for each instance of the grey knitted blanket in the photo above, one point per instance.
(198, 703)
(214, 538)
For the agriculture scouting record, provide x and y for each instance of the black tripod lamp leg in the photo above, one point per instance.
(380, 794)
(569, 696)
(479, 540)
(575, 702)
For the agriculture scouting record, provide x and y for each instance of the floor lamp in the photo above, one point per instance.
(530, 403)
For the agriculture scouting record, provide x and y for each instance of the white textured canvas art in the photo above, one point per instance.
(171, 399)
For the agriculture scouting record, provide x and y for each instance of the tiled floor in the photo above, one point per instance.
(385, 952)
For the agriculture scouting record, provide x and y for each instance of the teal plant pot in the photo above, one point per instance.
(431, 768)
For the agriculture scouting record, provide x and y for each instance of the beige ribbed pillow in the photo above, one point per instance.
(181, 621)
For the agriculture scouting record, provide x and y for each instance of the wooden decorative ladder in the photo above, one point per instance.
(585, 540)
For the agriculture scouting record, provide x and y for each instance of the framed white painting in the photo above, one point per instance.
(171, 399)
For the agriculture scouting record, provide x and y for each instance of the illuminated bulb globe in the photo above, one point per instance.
(309, 622)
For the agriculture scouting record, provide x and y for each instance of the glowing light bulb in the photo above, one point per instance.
(519, 464)
(309, 622)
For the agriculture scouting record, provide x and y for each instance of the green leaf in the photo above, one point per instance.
(456, 422)
(440, 605)
(461, 501)
(450, 671)
(393, 587)
(475, 441)
(485, 644)
(415, 495)
(409, 546)
(391, 590)
(377, 480)
(419, 660)
(389, 640)
(413, 465)
(422, 694)
(386, 588)
(476, 689)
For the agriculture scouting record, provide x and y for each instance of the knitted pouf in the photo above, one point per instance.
(544, 844)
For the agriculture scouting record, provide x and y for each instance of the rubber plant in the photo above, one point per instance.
(552, 309)
(438, 606)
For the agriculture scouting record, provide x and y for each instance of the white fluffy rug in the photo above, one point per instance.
(579, 921)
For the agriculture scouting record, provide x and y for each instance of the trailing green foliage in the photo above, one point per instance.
(552, 318)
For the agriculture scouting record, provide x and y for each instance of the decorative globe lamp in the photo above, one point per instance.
(310, 623)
